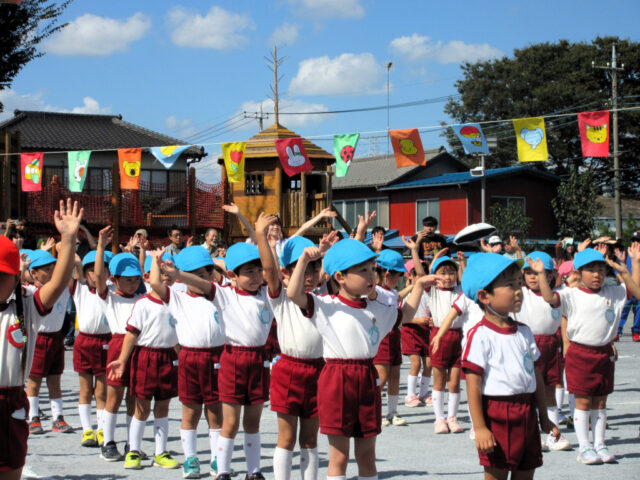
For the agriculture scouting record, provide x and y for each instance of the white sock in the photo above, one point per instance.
(161, 427)
(189, 439)
(225, 451)
(214, 433)
(337, 477)
(559, 398)
(554, 414)
(136, 431)
(252, 452)
(424, 386)
(282, 463)
(309, 463)
(84, 410)
(109, 424)
(34, 407)
(412, 381)
(581, 425)
(392, 404)
(56, 408)
(99, 414)
(374, 477)
(129, 417)
(572, 404)
(438, 403)
(453, 403)
(599, 427)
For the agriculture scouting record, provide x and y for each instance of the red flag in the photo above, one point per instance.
(594, 133)
(293, 156)
(129, 160)
(407, 147)
(32, 166)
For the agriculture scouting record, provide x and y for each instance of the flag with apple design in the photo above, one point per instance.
(233, 154)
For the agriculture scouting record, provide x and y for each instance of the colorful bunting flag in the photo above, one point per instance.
(531, 139)
(32, 168)
(168, 155)
(78, 167)
(472, 138)
(129, 160)
(344, 149)
(407, 147)
(293, 156)
(594, 133)
(233, 154)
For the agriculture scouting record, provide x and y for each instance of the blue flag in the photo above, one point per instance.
(168, 155)
(472, 138)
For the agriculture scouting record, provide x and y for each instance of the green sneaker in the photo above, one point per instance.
(191, 468)
(164, 460)
(133, 461)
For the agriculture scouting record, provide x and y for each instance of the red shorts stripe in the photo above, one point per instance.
(549, 361)
(589, 370)
(13, 431)
(90, 354)
(294, 386)
(449, 353)
(390, 349)
(153, 373)
(115, 347)
(48, 358)
(244, 375)
(198, 375)
(415, 339)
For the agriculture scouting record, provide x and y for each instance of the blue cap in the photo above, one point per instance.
(587, 256)
(40, 258)
(440, 261)
(391, 260)
(240, 253)
(545, 258)
(192, 258)
(293, 248)
(482, 269)
(346, 253)
(149, 260)
(27, 251)
(91, 257)
(108, 256)
(125, 265)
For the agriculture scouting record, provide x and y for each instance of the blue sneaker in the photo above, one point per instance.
(191, 468)
(214, 469)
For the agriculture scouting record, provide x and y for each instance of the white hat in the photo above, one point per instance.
(494, 239)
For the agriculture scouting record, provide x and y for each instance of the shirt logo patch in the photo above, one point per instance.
(216, 317)
(15, 336)
(59, 307)
(527, 362)
(555, 313)
(610, 315)
(374, 335)
(172, 321)
(265, 315)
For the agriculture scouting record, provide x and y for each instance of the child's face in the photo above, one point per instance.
(203, 273)
(531, 279)
(391, 279)
(7, 285)
(43, 274)
(127, 285)
(593, 274)
(90, 277)
(450, 275)
(249, 277)
(507, 292)
(359, 280)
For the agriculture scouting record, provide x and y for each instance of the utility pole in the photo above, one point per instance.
(613, 69)
(389, 65)
(258, 116)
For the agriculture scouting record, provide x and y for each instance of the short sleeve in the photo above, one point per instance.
(136, 320)
(564, 295)
(476, 352)
(461, 304)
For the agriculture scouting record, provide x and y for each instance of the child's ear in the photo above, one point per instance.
(483, 297)
(340, 278)
(231, 275)
(145, 277)
(285, 272)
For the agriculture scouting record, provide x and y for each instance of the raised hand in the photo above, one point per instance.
(49, 244)
(461, 257)
(105, 235)
(169, 269)
(311, 254)
(634, 251)
(232, 208)
(441, 253)
(584, 244)
(263, 222)
(621, 255)
(189, 242)
(409, 243)
(328, 213)
(617, 267)
(328, 240)
(536, 265)
(602, 248)
(25, 261)
(68, 217)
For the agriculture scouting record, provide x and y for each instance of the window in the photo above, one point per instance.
(254, 184)
(506, 202)
(429, 207)
(350, 209)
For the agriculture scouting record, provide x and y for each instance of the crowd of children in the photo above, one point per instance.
(155, 325)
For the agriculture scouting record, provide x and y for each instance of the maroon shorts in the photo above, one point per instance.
(389, 350)
(549, 361)
(513, 421)
(48, 358)
(153, 373)
(294, 386)
(13, 431)
(449, 352)
(589, 370)
(90, 354)
(349, 401)
(115, 347)
(244, 375)
(272, 345)
(415, 339)
(198, 375)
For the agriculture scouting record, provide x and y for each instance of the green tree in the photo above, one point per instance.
(575, 205)
(509, 220)
(552, 78)
(22, 28)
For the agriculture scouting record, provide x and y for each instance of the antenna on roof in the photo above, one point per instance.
(273, 63)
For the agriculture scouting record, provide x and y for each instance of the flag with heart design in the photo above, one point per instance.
(293, 156)
(233, 154)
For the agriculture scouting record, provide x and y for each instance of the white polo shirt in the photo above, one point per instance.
(117, 308)
(91, 319)
(538, 314)
(439, 301)
(153, 323)
(52, 322)
(469, 313)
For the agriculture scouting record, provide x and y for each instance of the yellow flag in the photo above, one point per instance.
(532, 139)
(233, 154)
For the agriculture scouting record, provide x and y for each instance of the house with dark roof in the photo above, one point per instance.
(443, 188)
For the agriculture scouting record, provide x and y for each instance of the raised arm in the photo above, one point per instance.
(325, 213)
(413, 302)
(233, 209)
(99, 269)
(90, 239)
(187, 278)
(363, 225)
(538, 267)
(295, 288)
(267, 258)
(631, 282)
(414, 247)
(155, 282)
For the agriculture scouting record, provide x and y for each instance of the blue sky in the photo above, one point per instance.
(183, 67)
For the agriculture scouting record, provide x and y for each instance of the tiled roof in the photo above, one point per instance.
(50, 131)
(630, 206)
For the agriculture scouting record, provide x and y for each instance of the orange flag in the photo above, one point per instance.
(129, 160)
(407, 147)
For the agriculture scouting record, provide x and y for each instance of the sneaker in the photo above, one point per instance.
(635, 337)
(100, 437)
(588, 456)
(165, 460)
(214, 469)
(543, 445)
(110, 452)
(223, 476)
(133, 461)
(605, 455)
(429, 401)
(398, 421)
(440, 426)
(472, 433)
(556, 444)
(254, 476)
(570, 422)
(191, 468)
(386, 421)
(89, 438)
(42, 415)
(59, 425)
(562, 418)
(454, 426)
(143, 455)
(35, 427)
(412, 401)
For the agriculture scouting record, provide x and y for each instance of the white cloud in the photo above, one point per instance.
(12, 100)
(419, 47)
(327, 8)
(181, 128)
(285, 34)
(91, 35)
(91, 106)
(347, 74)
(289, 121)
(218, 29)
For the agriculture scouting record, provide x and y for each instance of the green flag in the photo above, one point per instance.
(78, 167)
(344, 149)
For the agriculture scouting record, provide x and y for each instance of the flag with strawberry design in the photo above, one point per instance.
(233, 154)
(344, 149)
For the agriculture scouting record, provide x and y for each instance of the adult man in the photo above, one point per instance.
(211, 241)
(175, 236)
(431, 242)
